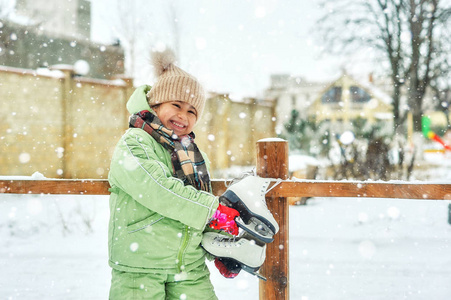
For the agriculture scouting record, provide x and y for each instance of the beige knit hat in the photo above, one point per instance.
(174, 84)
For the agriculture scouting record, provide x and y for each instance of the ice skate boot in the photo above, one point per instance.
(243, 250)
(247, 196)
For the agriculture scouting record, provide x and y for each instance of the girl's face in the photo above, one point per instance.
(177, 116)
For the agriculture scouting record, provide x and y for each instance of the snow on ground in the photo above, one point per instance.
(370, 249)
(55, 247)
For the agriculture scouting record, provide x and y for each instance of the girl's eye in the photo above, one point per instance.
(192, 112)
(176, 105)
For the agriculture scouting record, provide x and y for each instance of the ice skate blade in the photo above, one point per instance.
(230, 199)
(250, 270)
(256, 229)
(253, 272)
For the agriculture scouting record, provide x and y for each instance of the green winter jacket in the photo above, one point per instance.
(156, 222)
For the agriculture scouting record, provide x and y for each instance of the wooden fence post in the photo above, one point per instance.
(272, 162)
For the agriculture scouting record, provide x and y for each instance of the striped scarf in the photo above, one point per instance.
(187, 161)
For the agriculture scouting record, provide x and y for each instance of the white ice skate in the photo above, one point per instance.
(243, 250)
(247, 196)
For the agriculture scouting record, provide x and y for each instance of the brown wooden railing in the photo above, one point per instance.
(272, 162)
(287, 188)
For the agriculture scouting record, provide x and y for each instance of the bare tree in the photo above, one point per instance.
(128, 31)
(174, 23)
(131, 24)
(402, 31)
(425, 19)
(441, 84)
(138, 30)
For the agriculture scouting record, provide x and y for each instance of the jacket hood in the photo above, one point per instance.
(138, 100)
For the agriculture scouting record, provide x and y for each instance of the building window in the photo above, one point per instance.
(333, 95)
(358, 95)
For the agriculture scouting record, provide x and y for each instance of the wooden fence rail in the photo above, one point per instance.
(287, 188)
(272, 162)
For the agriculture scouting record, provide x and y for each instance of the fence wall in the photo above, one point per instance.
(60, 125)
(228, 131)
(25, 116)
(65, 126)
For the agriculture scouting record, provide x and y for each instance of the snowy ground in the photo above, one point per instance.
(55, 247)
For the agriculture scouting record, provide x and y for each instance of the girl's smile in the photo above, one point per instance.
(177, 116)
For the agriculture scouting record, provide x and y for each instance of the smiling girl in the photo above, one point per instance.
(161, 201)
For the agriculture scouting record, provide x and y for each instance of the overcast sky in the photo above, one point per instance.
(231, 46)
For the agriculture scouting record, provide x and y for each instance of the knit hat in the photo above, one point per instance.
(174, 84)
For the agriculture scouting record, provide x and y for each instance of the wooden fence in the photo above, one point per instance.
(272, 162)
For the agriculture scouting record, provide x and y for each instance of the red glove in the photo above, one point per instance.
(227, 267)
(224, 219)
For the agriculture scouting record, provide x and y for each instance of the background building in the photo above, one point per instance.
(338, 102)
(41, 34)
(70, 19)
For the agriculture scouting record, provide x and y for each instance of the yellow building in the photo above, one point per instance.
(347, 99)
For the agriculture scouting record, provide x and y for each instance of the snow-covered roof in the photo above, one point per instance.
(374, 90)
(40, 71)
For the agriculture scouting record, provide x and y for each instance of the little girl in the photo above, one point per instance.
(161, 197)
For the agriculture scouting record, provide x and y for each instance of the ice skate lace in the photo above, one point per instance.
(278, 181)
(264, 192)
(225, 241)
(253, 173)
(243, 175)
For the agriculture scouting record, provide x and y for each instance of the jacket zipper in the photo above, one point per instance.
(182, 249)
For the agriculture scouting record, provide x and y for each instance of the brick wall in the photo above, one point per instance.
(96, 119)
(228, 131)
(57, 124)
(26, 116)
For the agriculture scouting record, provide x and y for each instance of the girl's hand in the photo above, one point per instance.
(224, 219)
(227, 267)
